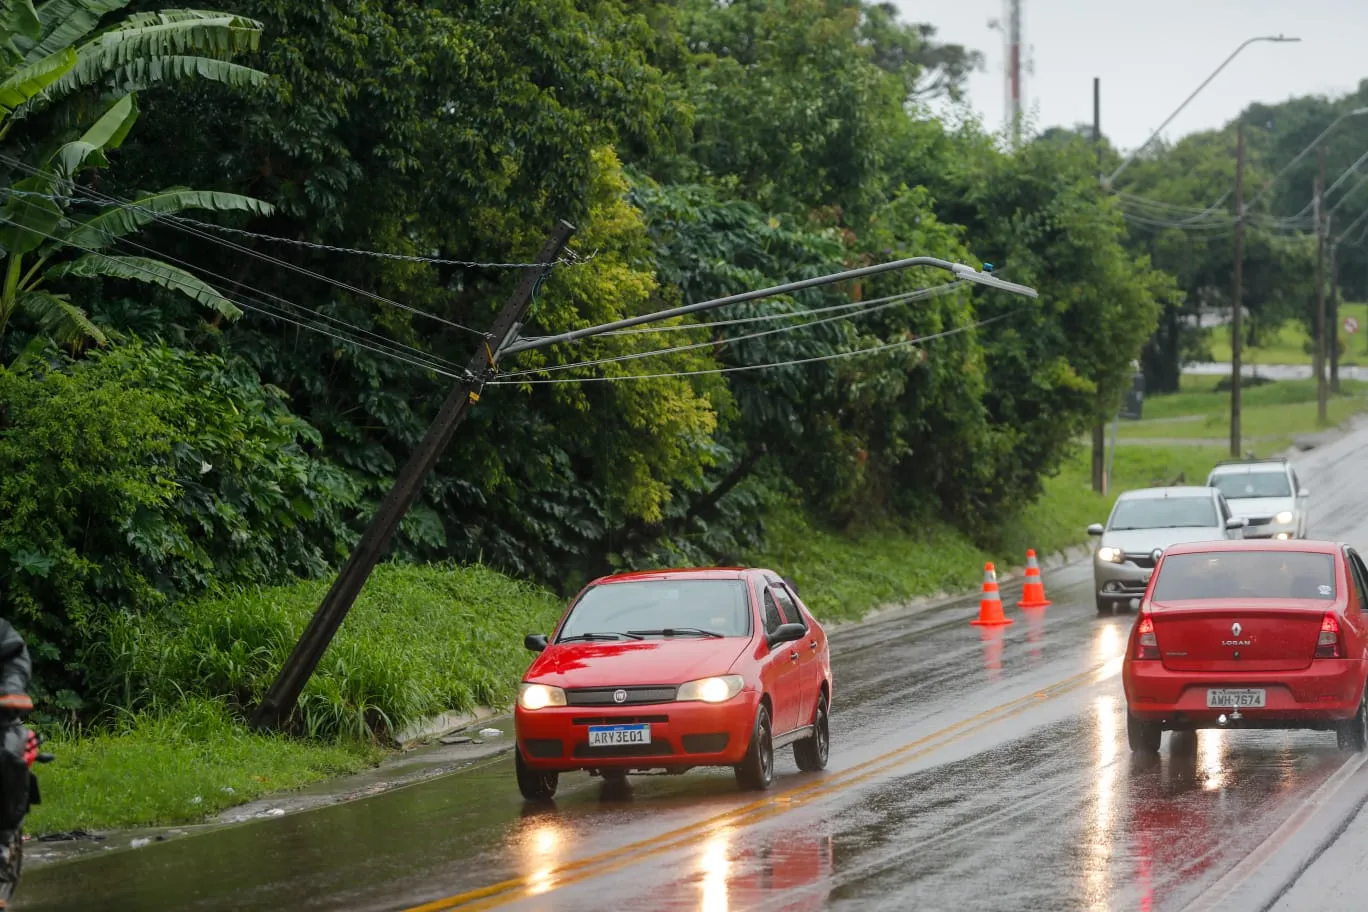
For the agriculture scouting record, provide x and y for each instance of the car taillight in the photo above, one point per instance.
(1328, 645)
(1146, 645)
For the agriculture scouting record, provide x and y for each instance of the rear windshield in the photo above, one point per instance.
(1163, 513)
(720, 606)
(1246, 575)
(1241, 485)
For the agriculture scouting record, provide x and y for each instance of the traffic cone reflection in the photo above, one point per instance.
(990, 604)
(993, 638)
(1033, 593)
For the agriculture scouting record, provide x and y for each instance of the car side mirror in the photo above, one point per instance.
(1236, 522)
(787, 633)
(1303, 493)
(536, 642)
(1095, 529)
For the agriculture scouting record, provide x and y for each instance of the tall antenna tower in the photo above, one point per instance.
(1014, 70)
(1012, 66)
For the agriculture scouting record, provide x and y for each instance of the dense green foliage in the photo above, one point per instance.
(701, 148)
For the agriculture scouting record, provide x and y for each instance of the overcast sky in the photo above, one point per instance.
(1151, 54)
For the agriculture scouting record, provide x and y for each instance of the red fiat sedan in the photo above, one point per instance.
(672, 669)
(1250, 634)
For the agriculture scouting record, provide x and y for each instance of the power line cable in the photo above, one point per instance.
(301, 270)
(769, 365)
(714, 343)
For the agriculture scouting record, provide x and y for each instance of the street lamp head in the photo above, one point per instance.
(970, 274)
(1282, 38)
(1358, 111)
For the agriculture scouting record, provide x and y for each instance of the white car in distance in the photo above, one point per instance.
(1267, 493)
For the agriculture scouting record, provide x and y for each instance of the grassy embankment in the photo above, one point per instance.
(421, 640)
(1291, 344)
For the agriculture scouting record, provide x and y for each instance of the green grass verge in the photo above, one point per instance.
(176, 767)
(1290, 344)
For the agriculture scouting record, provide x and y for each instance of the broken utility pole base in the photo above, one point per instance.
(503, 339)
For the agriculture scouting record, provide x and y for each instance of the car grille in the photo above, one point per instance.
(654, 749)
(1260, 520)
(605, 696)
(1143, 561)
(617, 720)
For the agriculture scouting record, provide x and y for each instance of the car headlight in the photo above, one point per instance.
(1283, 518)
(1112, 555)
(711, 690)
(539, 696)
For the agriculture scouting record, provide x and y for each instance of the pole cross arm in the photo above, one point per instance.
(960, 270)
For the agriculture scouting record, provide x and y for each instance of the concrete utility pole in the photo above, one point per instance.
(1237, 298)
(504, 339)
(1100, 472)
(1321, 392)
(1332, 316)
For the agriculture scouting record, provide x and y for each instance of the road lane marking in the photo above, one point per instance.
(770, 806)
(1222, 889)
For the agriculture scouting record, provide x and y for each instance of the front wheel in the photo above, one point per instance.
(1143, 736)
(1352, 734)
(811, 753)
(756, 770)
(1105, 607)
(535, 785)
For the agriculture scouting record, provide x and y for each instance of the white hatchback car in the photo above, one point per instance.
(1267, 493)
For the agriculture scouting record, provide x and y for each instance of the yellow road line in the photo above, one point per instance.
(773, 804)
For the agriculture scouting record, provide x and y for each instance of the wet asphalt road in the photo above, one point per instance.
(970, 770)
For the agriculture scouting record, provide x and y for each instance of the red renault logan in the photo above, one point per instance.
(1250, 634)
(672, 669)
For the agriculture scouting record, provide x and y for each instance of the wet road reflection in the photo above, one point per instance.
(963, 777)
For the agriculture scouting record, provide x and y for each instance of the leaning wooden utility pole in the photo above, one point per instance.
(299, 667)
(1237, 298)
(1321, 397)
(505, 339)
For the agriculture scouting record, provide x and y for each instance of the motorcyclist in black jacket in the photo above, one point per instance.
(15, 670)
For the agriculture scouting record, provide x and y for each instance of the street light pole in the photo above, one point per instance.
(1321, 397)
(1279, 39)
(1237, 297)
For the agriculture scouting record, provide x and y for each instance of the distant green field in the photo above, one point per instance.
(1291, 344)
(1272, 415)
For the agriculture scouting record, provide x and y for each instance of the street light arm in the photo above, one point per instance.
(960, 270)
(1108, 181)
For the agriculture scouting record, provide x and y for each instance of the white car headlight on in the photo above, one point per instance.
(539, 696)
(1111, 555)
(1283, 518)
(711, 690)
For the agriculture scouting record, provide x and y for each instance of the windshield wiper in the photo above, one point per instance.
(678, 631)
(614, 635)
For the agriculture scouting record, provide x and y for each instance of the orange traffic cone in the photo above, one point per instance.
(1033, 594)
(990, 605)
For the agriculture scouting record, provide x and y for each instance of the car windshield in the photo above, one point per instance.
(1241, 485)
(648, 607)
(1246, 575)
(1163, 513)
